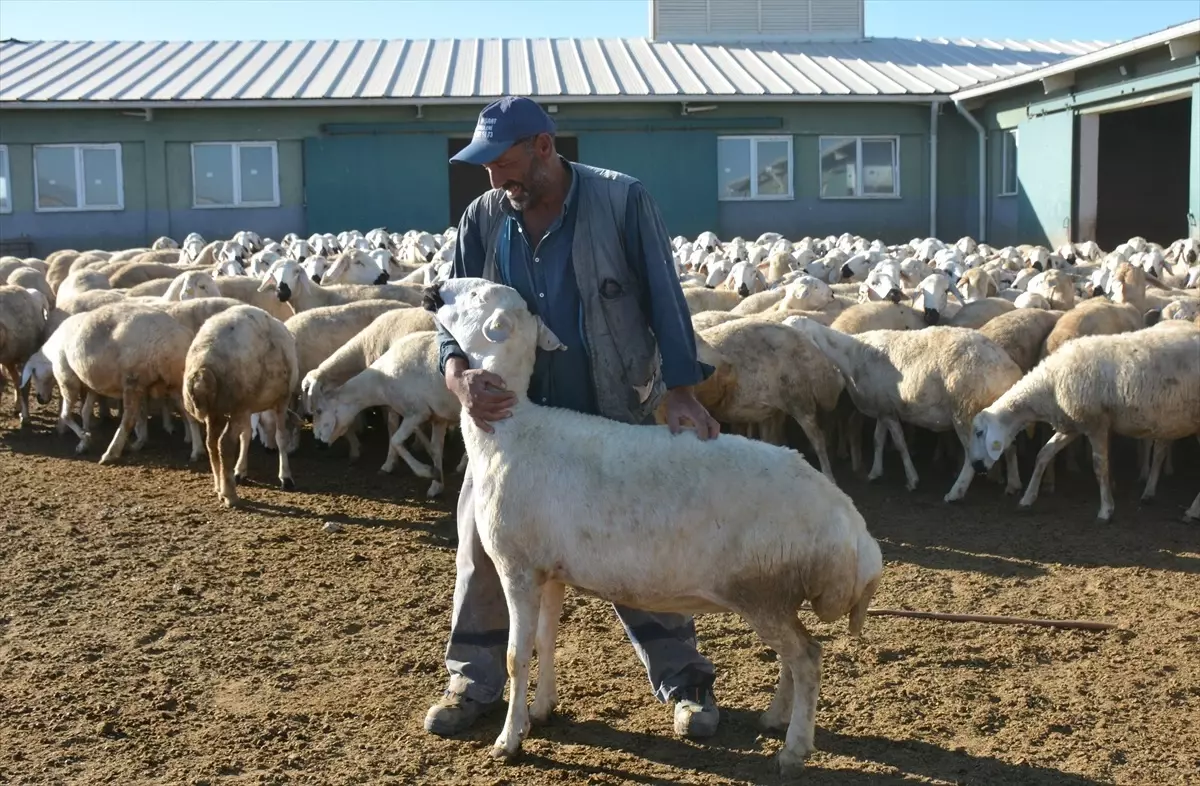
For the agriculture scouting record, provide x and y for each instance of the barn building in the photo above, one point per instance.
(741, 116)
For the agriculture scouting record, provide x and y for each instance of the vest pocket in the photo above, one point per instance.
(630, 334)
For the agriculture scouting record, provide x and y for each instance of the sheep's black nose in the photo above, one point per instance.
(847, 272)
(316, 277)
(1153, 317)
(283, 292)
(381, 279)
(1037, 266)
(978, 467)
(743, 290)
(931, 316)
(1097, 291)
(895, 295)
(431, 297)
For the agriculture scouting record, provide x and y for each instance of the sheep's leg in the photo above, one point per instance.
(66, 421)
(407, 427)
(778, 715)
(168, 417)
(1045, 458)
(130, 408)
(910, 472)
(967, 473)
(436, 452)
(14, 374)
(281, 439)
(462, 463)
(1012, 471)
(87, 409)
(880, 440)
(141, 430)
(212, 437)
(1192, 514)
(244, 436)
(812, 430)
(1100, 465)
(233, 429)
(524, 599)
(545, 695)
(354, 443)
(1159, 449)
(854, 428)
(1145, 451)
(801, 655)
(1168, 467)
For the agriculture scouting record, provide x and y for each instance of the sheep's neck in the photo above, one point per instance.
(838, 351)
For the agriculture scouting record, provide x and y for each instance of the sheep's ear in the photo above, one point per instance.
(498, 327)
(546, 338)
(995, 441)
(26, 373)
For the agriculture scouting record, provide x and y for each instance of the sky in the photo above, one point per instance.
(1103, 20)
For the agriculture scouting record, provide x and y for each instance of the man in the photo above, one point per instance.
(588, 251)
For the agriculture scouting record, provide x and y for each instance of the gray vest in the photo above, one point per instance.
(626, 368)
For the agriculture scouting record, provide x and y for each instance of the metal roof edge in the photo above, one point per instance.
(1132, 46)
(895, 98)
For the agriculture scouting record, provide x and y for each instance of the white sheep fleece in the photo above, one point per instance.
(636, 515)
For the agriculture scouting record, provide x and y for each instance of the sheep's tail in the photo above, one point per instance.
(199, 391)
(870, 569)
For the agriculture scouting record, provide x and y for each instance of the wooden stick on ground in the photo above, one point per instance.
(933, 615)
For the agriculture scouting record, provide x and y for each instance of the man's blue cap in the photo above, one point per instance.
(501, 123)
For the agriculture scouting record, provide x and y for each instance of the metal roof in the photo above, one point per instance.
(60, 74)
(1167, 37)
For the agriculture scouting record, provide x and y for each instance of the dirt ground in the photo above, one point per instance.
(149, 636)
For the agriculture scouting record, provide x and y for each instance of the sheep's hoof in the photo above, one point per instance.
(107, 459)
(1190, 519)
(501, 754)
(435, 489)
(136, 447)
(239, 479)
(791, 762)
(1148, 499)
(1012, 489)
(771, 722)
(287, 484)
(230, 502)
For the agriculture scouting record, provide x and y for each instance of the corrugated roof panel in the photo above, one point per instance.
(408, 79)
(103, 70)
(519, 80)
(469, 70)
(209, 80)
(625, 67)
(576, 81)
(547, 81)
(386, 66)
(690, 83)
(492, 72)
(653, 71)
(441, 66)
(329, 74)
(715, 82)
(739, 77)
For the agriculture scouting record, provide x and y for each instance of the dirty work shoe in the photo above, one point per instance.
(696, 713)
(455, 713)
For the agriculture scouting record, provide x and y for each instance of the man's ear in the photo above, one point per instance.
(546, 338)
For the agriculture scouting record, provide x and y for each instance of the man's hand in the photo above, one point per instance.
(482, 393)
(682, 406)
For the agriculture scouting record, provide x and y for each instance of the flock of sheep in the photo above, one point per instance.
(249, 336)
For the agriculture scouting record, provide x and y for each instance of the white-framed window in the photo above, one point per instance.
(5, 182)
(860, 167)
(1008, 162)
(77, 177)
(235, 174)
(754, 167)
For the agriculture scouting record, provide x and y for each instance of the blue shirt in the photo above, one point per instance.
(543, 273)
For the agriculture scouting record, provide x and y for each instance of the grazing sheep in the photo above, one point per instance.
(241, 361)
(1144, 385)
(580, 500)
(22, 322)
(30, 278)
(293, 287)
(878, 315)
(937, 378)
(197, 283)
(406, 380)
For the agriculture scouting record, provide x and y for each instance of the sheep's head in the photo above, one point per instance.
(197, 284)
(807, 293)
(990, 437)
(317, 267)
(1188, 310)
(40, 372)
(330, 420)
(163, 243)
(977, 284)
(490, 321)
(882, 283)
(855, 268)
(932, 293)
(285, 275)
(746, 279)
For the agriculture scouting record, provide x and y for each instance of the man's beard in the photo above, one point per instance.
(530, 190)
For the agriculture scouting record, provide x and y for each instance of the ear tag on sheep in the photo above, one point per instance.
(995, 443)
(496, 329)
(546, 338)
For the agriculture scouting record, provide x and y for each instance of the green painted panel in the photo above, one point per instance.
(400, 182)
(678, 168)
(1044, 167)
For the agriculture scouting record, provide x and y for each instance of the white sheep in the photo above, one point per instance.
(406, 380)
(938, 378)
(241, 361)
(300, 293)
(23, 316)
(696, 527)
(1144, 384)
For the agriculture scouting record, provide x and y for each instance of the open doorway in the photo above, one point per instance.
(1129, 162)
(468, 182)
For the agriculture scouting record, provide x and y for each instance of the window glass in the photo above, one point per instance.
(258, 175)
(212, 170)
(774, 172)
(839, 162)
(100, 178)
(55, 177)
(878, 170)
(733, 168)
(5, 193)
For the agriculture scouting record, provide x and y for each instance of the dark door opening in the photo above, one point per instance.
(468, 181)
(1135, 193)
